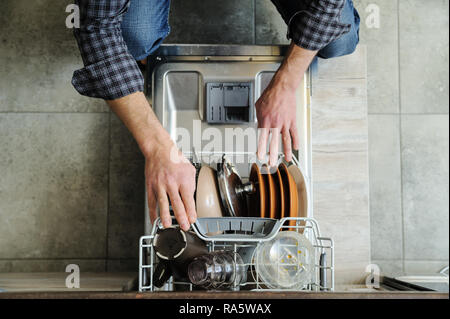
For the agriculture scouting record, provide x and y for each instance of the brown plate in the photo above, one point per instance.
(292, 193)
(258, 199)
(286, 191)
(276, 213)
(302, 192)
(279, 186)
(271, 198)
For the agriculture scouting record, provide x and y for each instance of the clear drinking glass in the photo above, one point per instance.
(218, 269)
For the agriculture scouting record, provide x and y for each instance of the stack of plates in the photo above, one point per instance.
(271, 193)
(279, 193)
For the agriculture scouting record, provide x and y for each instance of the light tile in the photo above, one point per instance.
(336, 69)
(385, 187)
(389, 268)
(211, 22)
(424, 49)
(382, 54)
(424, 267)
(425, 165)
(53, 188)
(340, 162)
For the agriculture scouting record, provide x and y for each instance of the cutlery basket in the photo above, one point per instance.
(245, 234)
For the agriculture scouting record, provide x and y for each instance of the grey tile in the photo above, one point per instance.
(382, 55)
(385, 187)
(39, 55)
(425, 172)
(424, 267)
(127, 193)
(51, 265)
(424, 43)
(270, 28)
(213, 22)
(53, 189)
(389, 268)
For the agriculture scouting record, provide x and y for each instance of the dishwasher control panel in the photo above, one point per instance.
(229, 103)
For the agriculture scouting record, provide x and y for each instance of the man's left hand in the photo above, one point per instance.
(276, 113)
(277, 107)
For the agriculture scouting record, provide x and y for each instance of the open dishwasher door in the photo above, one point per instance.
(204, 96)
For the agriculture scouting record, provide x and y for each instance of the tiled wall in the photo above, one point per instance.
(71, 183)
(408, 93)
(340, 161)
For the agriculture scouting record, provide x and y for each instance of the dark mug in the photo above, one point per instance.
(175, 249)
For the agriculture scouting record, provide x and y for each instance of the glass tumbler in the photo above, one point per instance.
(218, 269)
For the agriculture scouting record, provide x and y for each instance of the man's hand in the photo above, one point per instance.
(168, 174)
(276, 109)
(276, 112)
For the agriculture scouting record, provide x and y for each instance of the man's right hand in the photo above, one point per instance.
(169, 175)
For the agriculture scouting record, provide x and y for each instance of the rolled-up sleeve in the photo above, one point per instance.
(109, 72)
(312, 24)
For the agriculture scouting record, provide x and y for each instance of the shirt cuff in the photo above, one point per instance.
(314, 32)
(109, 79)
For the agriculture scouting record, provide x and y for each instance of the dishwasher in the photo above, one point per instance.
(199, 92)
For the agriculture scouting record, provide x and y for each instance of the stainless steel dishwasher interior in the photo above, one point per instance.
(177, 80)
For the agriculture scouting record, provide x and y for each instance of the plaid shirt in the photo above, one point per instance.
(312, 24)
(110, 72)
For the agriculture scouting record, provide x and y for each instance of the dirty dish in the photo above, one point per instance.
(218, 269)
(286, 192)
(175, 249)
(279, 189)
(258, 199)
(285, 262)
(207, 196)
(230, 184)
(271, 201)
(302, 192)
(292, 193)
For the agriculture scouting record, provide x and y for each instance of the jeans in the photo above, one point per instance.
(346, 44)
(146, 25)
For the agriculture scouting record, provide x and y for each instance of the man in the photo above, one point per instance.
(114, 34)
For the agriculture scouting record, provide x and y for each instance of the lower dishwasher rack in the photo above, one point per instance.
(240, 234)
